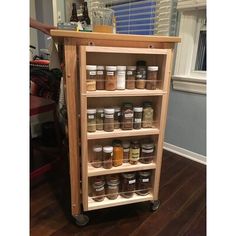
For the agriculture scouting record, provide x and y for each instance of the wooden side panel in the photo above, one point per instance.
(73, 125)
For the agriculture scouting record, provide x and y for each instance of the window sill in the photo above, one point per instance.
(189, 84)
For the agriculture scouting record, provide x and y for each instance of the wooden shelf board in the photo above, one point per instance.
(126, 167)
(118, 133)
(92, 205)
(125, 93)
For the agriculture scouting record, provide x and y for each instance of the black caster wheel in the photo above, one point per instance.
(81, 220)
(155, 205)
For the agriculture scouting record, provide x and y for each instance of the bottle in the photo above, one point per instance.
(85, 14)
(74, 17)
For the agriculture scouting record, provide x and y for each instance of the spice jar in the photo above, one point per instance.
(147, 152)
(91, 77)
(117, 159)
(97, 156)
(140, 82)
(130, 77)
(152, 77)
(98, 188)
(100, 85)
(109, 119)
(111, 80)
(112, 190)
(107, 157)
(126, 151)
(143, 184)
(121, 77)
(138, 113)
(91, 116)
(147, 115)
(134, 152)
(117, 117)
(127, 116)
(127, 185)
(99, 118)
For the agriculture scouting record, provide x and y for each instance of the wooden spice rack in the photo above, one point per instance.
(81, 49)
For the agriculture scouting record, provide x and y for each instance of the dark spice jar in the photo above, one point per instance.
(138, 113)
(141, 76)
(128, 185)
(117, 117)
(134, 152)
(130, 77)
(126, 151)
(99, 118)
(143, 184)
(112, 188)
(152, 77)
(127, 116)
(147, 152)
(98, 188)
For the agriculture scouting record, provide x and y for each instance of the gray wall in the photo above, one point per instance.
(186, 121)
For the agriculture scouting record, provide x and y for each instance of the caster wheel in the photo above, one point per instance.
(81, 220)
(155, 205)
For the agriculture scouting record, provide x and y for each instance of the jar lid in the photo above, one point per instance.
(97, 148)
(117, 108)
(91, 111)
(98, 181)
(127, 105)
(148, 145)
(128, 175)
(121, 67)
(153, 68)
(109, 110)
(126, 144)
(112, 179)
(131, 67)
(98, 184)
(100, 110)
(135, 142)
(147, 104)
(100, 67)
(144, 173)
(91, 67)
(141, 63)
(138, 109)
(111, 68)
(116, 143)
(107, 149)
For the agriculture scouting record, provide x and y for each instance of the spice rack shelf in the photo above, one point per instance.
(126, 167)
(92, 205)
(111, 50)
(118, 133)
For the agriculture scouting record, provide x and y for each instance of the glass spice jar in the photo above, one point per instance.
(147, 152)
(121, 71)
(138, 113)
(98, 188)
(126, 151)
(141, 77)
(112, 189)
(117, 159)
(151, 83)
(97, 156)
(91, 116)
(111, 80)
(117, 117)
(107, 157)
(109, 119)
(91, 77)
(143, 183)
(100, 85)
(134, 152)
(130, 77)
(99, 119)
(127, 116)
(128, 185)
(147, 115)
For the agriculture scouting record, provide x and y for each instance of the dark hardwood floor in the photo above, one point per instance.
(182, 210)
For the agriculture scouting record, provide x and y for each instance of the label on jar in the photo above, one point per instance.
(134, 154)
(100, 72)
(118, 114)
(137, 120)
(110, 73)
(147, 150)
(126, 149)
(132, 181)
(145, 180)
(129, 72)
(92, 72)
(90, 117)
(99, 189)
(129, 115)
(109, 116)
(102, 115)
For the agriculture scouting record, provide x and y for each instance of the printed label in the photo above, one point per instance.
(100, 72)
(134, 154)
(102, 115)
(110, 73)
(109, 116)
(147, 150)
(145, 180)
(129, 72)
(90, 117)
(129, 115)
(92, 72)
(132, 181)
(99, 189)
(137, 120)
(118, 114)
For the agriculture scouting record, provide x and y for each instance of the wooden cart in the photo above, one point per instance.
(81, 49)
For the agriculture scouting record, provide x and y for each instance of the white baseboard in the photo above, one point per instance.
(185, 153)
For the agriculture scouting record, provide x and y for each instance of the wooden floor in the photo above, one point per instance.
(182, 210)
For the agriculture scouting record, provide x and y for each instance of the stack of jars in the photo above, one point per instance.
(112, 78)
(126, 117)
(125, 185)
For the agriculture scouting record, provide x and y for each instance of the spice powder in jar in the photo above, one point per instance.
(107, 157)
(109, 119)
(91, 116)
(134, 152)
(138, 113)
(127, 116)
(97, 156)
(147, 115)
(117, 117)
(147, 152)
(117, 159)
(128, 185)
(91, 77)
(130, 77)
(100, 85)
(99, 118)
(151, 83)
(112, 189)
(98, 188)
(111, 80)
(141, 76)
(143, 184)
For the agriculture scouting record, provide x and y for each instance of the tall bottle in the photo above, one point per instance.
(74, 17)
(85, 14)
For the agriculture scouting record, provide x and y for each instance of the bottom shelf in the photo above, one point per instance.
(93, 205)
